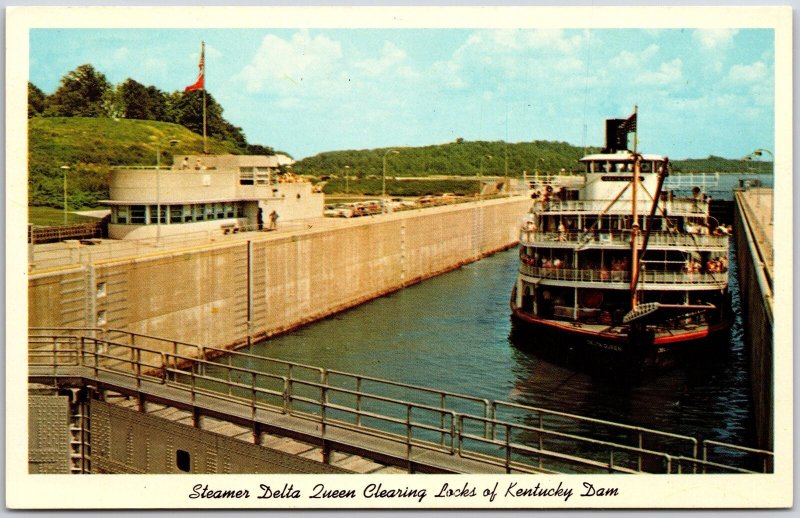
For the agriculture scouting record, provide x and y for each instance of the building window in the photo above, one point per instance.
(219, 210)
(101, 318)
(154, 211)
(183, 460)
(138, 213)
(246, 176)
(101, 290)
(187, 213)
(119, 214)
(199, 213)
(262, 175)
(175, 213)
(229, 212)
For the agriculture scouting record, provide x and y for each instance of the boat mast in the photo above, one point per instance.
(635, 225)
(662, 173)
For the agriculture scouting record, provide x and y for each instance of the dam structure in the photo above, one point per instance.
(131, 347)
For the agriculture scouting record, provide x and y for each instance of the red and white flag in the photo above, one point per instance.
(200, 83)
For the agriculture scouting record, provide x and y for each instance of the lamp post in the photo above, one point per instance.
(383, 189)
(172, 142)
(347, 179)
(65, 168)
(480, 176)
(759, 153)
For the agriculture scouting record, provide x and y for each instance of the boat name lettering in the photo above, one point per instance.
(619, 178)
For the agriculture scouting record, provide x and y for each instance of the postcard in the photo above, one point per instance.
(399, 257)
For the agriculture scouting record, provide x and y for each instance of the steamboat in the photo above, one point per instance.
(613, 264)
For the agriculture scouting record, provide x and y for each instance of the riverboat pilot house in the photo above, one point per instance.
(206, 193)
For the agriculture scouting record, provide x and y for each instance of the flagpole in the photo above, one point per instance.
(202, 58)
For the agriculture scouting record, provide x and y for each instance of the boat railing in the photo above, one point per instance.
(623, 238)
(611, 276)
(674, 207)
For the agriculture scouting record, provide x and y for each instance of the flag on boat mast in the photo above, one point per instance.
(200, 84)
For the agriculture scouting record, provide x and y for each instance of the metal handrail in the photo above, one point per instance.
(168, 368)
(674, 207)
(623, 238)
(639, 430)
(645, 277)
(509, 446)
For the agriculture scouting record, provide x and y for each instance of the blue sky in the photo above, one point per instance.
(699, 92)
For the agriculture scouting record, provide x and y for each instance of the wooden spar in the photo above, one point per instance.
(635, 225)
(662, 173)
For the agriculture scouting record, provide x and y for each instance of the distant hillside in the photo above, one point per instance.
(716, 164)
(460, 158)
(463, 158)
(88, 146)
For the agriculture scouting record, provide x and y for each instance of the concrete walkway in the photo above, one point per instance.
(759, 206)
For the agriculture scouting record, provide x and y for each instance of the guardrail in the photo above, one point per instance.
(60, 233)
(674, 207)
(623, 238)
(49, 257)
(645, 277)
(419, 418)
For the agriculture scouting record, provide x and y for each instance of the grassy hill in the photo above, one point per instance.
(88, 146)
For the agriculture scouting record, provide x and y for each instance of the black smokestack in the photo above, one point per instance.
(616, 136)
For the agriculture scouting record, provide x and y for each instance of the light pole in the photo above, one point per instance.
(347, 179)
(65, 168)
(480, 176)
(172, 142)
(383, 189)
(759, 153)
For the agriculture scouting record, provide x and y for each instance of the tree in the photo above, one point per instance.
(188, 112)
(81, 94)
(142, 102)
(258, 149)
(36, 100)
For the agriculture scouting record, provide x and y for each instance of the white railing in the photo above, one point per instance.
(656, 239)
(58, 255)
(645, 277)
(673, 207)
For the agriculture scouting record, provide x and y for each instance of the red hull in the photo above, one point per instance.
(661, 350)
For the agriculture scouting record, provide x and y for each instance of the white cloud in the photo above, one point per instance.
(713, 39)
(748, 73)
(633, 60)
(668, 73)
(392, 58)
(289, 64)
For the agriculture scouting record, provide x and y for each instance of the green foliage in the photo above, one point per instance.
(715, 164)
(461, 158)
(257, 149)
(89, 146)
(142, 102)
(81, 94)
(48, 216)
(36, 100)
(188, 111)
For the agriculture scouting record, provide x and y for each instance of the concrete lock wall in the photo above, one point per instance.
(758, 328)
(219, 294)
